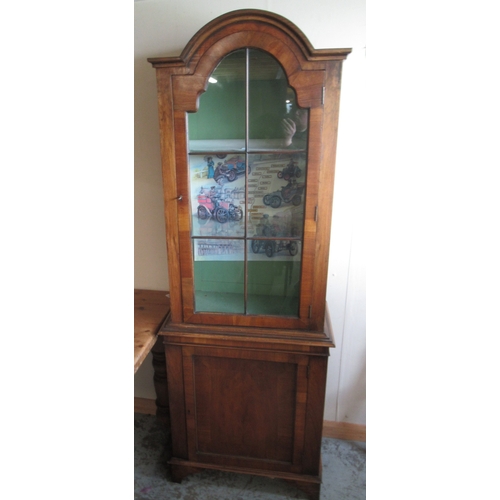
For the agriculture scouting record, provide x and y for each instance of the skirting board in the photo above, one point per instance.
(143, 405)
(344, 430)
(331, 429)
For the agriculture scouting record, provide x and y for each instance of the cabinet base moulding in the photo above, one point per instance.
(309, 484)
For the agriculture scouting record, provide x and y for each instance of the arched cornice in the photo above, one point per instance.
(247, 20)
(303, 65)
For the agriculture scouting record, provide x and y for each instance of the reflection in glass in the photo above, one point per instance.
(221, 113)
(275, 121)
(219, 272)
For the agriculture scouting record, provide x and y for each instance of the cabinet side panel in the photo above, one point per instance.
(175, 379)
(326, 191)
(167, 143)
(314, 416)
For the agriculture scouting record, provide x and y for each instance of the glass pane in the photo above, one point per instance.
(274, 277)
(276, 190)
(219, 122)
(217, 185)
(219, 272)
(275, 122)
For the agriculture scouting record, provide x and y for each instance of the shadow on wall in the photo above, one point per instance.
(354, 407)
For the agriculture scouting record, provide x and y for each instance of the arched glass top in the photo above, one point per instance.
(248, 106)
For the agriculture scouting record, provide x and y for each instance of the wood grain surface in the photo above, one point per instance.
(150, 309)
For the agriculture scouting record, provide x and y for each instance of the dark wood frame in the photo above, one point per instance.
(255, 354)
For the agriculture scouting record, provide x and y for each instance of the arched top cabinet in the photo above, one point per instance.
(248, 126)
(247, 223)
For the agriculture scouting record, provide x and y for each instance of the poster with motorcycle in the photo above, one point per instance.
(276, 188)
(217, 195)
(274, 210)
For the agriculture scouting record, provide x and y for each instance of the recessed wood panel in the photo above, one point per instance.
(245, 408)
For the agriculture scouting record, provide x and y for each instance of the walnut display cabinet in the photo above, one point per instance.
(248, 123)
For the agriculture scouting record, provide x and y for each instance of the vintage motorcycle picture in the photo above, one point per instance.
(256, 197)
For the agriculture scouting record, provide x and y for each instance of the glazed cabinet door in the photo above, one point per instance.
(246, 258)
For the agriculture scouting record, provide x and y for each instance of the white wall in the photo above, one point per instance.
(162, 28)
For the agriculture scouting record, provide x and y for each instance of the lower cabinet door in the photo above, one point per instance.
(245, 408)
